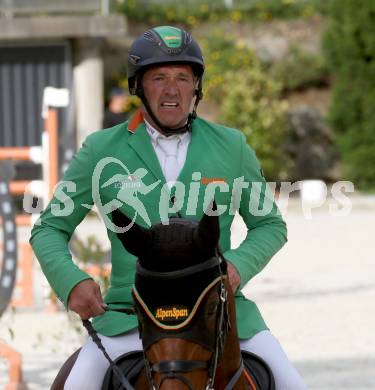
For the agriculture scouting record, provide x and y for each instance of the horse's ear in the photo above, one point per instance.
(136, 240)
(208, 230)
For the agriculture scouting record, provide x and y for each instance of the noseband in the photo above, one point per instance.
(190, 328)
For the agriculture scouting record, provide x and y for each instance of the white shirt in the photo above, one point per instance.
(171, 168)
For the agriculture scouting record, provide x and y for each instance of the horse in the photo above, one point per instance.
(186, 314)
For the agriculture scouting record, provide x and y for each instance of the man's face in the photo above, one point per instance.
(169, 89)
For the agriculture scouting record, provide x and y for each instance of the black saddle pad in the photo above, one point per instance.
(131, 365)
(259, 371)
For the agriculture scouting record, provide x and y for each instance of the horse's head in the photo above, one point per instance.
(181, 297)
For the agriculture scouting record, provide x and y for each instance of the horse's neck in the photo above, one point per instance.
(231, 356)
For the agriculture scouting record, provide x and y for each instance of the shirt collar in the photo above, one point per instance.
(155, 134)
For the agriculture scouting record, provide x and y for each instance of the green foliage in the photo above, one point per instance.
(89, 251)
(190, 12)
(349, 44)
(248, 99)
(252, 104)
(223, 54)
(300, 69)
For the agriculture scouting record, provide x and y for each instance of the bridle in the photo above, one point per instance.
(150, 328)
(175, 369)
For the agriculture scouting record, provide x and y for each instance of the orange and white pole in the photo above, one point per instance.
(52, 144)
(15, 363)
(26, 153)
(52, 98)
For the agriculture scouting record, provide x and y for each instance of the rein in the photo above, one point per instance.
(173, 369)
(95, 338)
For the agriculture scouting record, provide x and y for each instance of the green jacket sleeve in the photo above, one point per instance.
(51, 233)
(267, 231)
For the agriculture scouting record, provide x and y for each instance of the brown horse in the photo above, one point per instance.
(186, 314)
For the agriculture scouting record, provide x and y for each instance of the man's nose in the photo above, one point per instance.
(171, 87)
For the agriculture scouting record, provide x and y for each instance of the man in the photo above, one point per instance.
(114, 114)
(176, 148)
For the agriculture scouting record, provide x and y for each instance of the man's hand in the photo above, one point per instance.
(234, 277)
(86, 300)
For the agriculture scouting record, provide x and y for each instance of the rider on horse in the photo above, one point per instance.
(185, 161)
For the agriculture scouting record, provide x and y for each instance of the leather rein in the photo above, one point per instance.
(174, 369)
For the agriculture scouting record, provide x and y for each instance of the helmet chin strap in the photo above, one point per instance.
(168, 130)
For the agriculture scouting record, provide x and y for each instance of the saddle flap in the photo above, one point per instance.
(259, 371)
(130, 364)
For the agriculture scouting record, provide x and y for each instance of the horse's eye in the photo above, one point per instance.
(212, 307)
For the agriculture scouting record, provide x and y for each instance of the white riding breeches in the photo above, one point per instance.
(90, 367)
(265, 345)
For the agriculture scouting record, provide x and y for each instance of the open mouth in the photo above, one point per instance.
(170, 105)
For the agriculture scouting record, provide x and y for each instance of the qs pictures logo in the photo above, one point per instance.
(129, 185)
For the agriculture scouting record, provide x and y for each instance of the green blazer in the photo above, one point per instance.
(216, 156)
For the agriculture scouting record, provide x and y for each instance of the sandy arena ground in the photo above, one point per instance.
(317, 296)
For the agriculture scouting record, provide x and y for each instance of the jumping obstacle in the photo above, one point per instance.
(21, 253)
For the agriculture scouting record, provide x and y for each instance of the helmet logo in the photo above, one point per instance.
(171, 36)
(174, 51)
(172, 41)
(168, 38)
(134, 59)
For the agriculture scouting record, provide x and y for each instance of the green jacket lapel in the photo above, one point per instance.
(140, 142)
(192, 162)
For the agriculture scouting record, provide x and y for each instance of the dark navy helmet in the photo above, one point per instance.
(163, 45)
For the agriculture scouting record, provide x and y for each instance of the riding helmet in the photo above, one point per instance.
(163, 45)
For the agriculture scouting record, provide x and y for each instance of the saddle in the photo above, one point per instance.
(132, 363)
